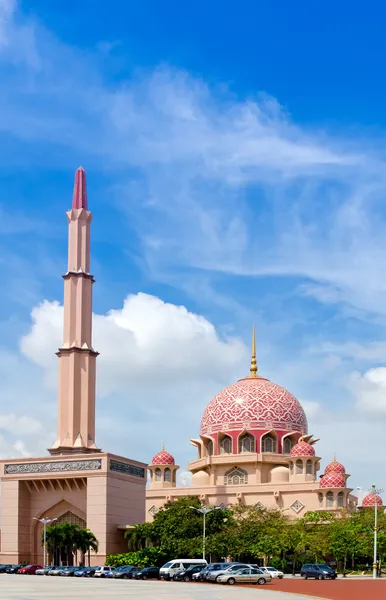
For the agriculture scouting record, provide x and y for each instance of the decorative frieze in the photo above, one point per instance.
(53, 467)
(121, 467)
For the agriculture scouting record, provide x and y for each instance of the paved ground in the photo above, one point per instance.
(24, 587)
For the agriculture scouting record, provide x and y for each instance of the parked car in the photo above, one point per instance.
(68, 571)
(3, 568)
(125, 572)
(232, 568)
(171, 568)
(44, 570)
(13, 569)
(55, 571)
(202, 575)
(29, 569)
(147, 573)
(275, 574)
(317, 571)
(188, 574)
(244, 576)
(102, 571)
(85, 572)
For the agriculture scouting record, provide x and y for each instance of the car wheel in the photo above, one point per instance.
(186, 578)
(280, 577)
(124, 577)
(231, 580)
(261, 581)
(175, 578)
(320, 577)
(304, 576)
(144, 576)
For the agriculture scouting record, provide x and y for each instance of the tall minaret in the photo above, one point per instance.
(77, 358)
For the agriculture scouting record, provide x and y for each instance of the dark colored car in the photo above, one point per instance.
(4, 567)
(68, 572)
(13, 569)
(29, 569)
(85, 572)
(147, 573)
(317, 571)
(188, 573)
(125, 572)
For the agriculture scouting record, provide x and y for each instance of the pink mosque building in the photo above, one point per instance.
(254, 449)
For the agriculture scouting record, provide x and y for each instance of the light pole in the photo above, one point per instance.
(376, 492)
(45, 522)
(204, 511)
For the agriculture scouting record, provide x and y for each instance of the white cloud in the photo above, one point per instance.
(369, 390)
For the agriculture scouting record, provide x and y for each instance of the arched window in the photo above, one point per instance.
(69, 517)
(287, 445)
(309, 469)
(209, 448)
(167, 475)
(299, 467)
(226, 445)
(236, 476)
(269, 444)
(158, 474)
(329, 500)
(340, 499)
(246, 443)
(320, 496)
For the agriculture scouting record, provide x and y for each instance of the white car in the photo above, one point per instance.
(275, 574)
(103, 572)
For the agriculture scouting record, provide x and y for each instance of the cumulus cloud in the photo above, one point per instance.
(369, 390)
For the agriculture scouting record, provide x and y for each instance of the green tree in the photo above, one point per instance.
(67, 538)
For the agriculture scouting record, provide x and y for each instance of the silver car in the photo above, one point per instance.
(230, 568)
(244, 576)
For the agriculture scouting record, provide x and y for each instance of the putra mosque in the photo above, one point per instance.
(253, 449)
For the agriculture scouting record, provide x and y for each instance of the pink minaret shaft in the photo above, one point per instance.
(77, 358)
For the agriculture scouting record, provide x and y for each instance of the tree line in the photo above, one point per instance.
(259, 535)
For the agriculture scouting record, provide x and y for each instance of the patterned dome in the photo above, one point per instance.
(253, 403)
(302, 449)
(335, 467)
(372, 500)
(333, 480)
(163, 458)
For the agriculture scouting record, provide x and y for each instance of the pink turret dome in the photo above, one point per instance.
(302, 449)
(372, 500)
(335, 467)
(333, 480)
(163, 458)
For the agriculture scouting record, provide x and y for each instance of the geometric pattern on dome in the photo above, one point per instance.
(163, 458)
(333, 480)
(335, 467)
(297, 506)
(371, 500)
(302, 449)
(256, 401)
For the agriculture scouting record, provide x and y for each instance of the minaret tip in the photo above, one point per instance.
(253, 368)
(163, 446)
(79, 198)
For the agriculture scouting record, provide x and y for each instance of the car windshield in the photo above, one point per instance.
(167, 565)
(271, 569)
(324, 567)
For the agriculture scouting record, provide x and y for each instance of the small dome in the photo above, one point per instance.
(302, 449)
(372, 500)
(201, 478)
(335, 467)
(163, 458)
(279, 474)
(333, 480)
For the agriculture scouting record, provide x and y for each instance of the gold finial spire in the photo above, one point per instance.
(253, 367)
(334, 457)
(163, 446)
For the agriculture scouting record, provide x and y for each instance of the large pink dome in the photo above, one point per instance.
(254, 403)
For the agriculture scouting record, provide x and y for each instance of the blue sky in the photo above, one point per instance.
(235, 157)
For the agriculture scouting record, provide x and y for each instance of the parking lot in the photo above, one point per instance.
(24, 587)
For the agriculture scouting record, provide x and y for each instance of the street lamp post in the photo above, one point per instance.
(45, 522)
(204, 511)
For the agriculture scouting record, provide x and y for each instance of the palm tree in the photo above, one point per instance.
(85, 541)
